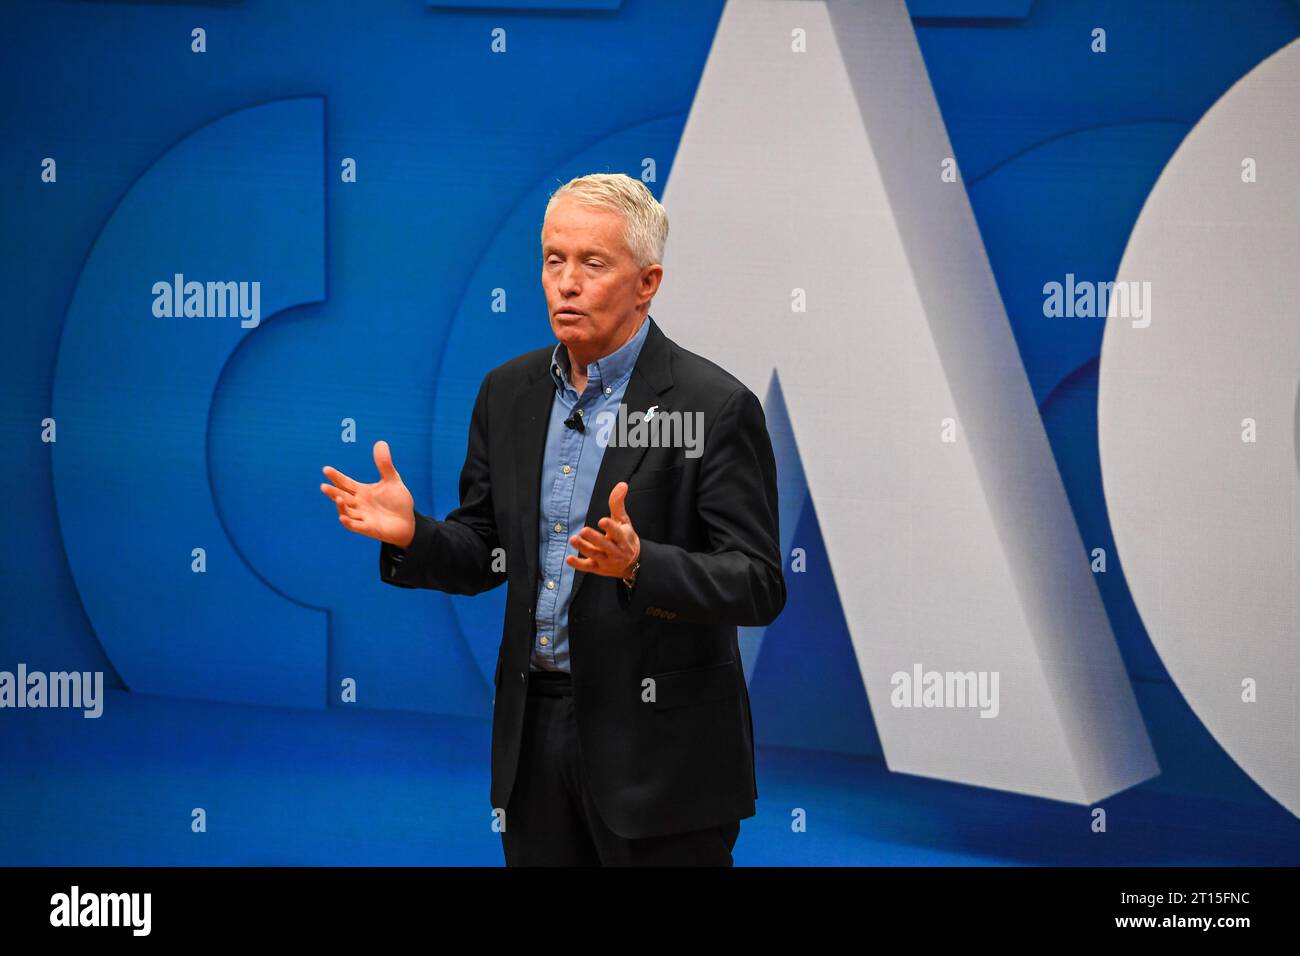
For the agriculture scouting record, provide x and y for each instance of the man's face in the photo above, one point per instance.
(593, 287)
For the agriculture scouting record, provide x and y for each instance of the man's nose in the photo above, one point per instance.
(569, 279)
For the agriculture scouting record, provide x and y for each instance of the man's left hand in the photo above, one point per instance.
(613, 553)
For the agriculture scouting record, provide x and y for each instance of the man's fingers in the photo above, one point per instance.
(344, 502)
(618, 530)
(590, 541)
(616, 509)
(340, 497)
(355, 524)
(341, 480)
(384, 461)
(582, 564)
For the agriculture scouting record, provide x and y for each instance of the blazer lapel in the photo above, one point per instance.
(533, 414)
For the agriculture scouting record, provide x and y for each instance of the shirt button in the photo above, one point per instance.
(608, 390)
(544, 641)
(566, 469)
(559, 527)
(550, 585)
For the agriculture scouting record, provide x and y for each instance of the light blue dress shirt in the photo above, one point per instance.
(569, 468)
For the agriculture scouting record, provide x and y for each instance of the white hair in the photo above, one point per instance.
(645, 221)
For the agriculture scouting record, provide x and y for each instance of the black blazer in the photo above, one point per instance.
(678, 754)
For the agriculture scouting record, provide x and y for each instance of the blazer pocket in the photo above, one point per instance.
(697, 685)
(656, 478)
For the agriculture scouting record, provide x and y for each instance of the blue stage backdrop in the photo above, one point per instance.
(371, 178)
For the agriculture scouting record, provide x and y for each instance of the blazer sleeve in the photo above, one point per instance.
(456, 555)
(739, 580)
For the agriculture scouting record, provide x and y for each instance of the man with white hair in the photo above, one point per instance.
(621, 730)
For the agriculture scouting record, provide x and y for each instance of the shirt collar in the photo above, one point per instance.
(612, 370)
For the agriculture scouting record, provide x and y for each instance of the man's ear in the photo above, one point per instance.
(651, 276)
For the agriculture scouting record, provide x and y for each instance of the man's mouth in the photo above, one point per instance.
(567, 311)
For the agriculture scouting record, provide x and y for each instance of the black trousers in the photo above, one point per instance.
(552, 820)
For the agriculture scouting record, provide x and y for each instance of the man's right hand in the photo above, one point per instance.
(383, 509)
